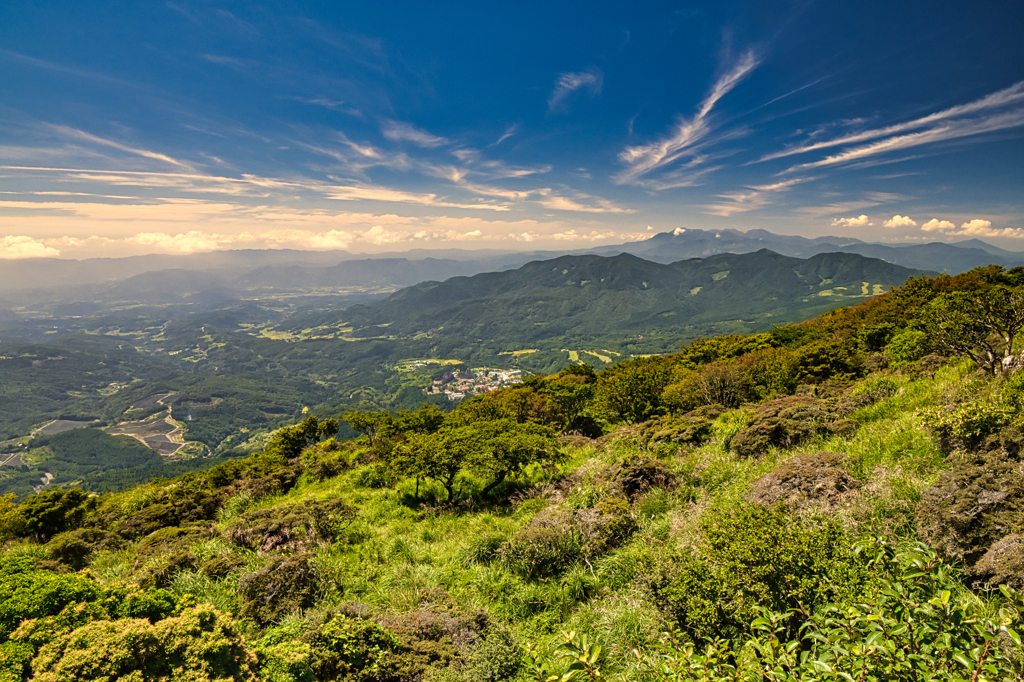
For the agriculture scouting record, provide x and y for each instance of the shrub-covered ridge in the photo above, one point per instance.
(833, 498)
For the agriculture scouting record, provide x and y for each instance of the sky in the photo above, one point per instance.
(195, 125)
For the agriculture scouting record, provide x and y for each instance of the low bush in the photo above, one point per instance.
(201, 641)
(291, 527)
(972, 507)
(325, 460)
(818, 480)
(908, 625)
(637, 475)
(75, 547)
(1002, 564)
(283, 586)
(787, 422)
(693, 428)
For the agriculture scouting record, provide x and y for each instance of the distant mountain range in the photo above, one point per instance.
(585, 298)
(667, 247)
(229, 275)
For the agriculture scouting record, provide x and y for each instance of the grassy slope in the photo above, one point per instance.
(397, 552)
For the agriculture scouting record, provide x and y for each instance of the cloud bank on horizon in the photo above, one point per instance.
(191, 126)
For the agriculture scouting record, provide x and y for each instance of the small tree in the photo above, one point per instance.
(982, 324)
(507, 448)
(368, 423)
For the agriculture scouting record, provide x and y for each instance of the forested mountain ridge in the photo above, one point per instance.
(829, 500)
(591, 297)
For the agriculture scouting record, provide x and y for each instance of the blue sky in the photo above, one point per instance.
(195, 125)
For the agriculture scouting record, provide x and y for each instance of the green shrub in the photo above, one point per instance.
(908, 625)
(199, 645)
(324, 460)
(351, 648)
(787, 422)
(75, 547)
(752, 558)
(549, 545)
(54, 511)
(967, 425)
(285, 661)
(693, 428)
(426, 643)
(291, 527)
(908, 345)
(29, 593)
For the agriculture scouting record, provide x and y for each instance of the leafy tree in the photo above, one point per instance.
(981, 324)
(569, 393)
(368, 423)
(507, 448)
(289, 442)
(438, 456)
(632, 390)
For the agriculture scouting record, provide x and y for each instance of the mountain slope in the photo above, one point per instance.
(591, 297)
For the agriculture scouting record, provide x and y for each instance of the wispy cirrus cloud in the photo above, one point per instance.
(1002, 98)
(750, 198)
(74, 133)
(686, 137)
(400, 131)
(999, 111)
(567, 83)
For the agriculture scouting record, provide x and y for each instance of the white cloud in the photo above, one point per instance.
(976, 226)
(686, 134)
(900, 221)
(399, 131)
(192, 241)
(568, 83)
(936, 225)
(859, 221)
(12, 247)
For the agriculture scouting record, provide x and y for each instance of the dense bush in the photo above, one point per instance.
(637, 475)
(291, 527)
(200, 644)
(973, 506)
(547, 546)
(1002, 564)
(75, 547)
(284, 585)
(693, 428)
(818, 480)
(906, 626)
(786, 422)
(756, 558)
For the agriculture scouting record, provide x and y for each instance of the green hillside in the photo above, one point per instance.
(833, 500)
(590, 298)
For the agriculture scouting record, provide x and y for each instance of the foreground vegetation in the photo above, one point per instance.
(840, 499)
